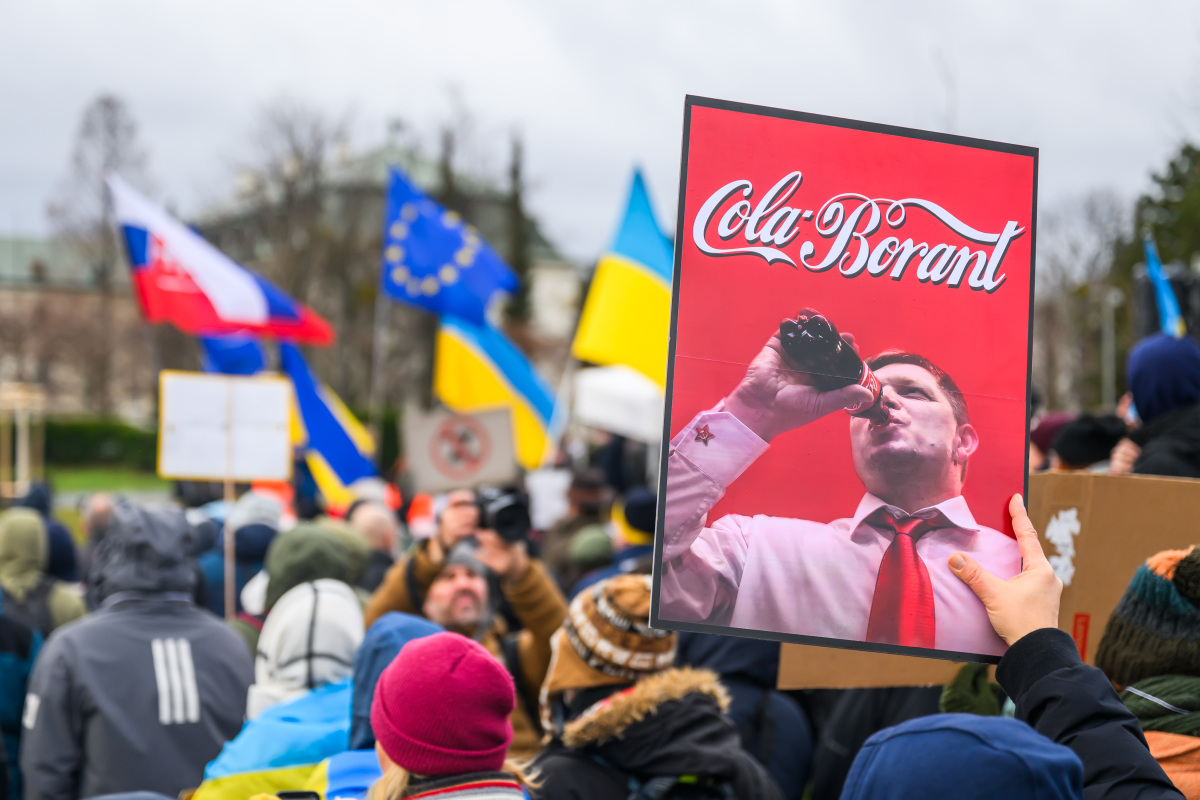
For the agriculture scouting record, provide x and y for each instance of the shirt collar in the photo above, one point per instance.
(955, 509)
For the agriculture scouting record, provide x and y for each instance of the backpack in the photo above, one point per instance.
(34, 610)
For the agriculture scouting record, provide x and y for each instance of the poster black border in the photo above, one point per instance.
(694, 101)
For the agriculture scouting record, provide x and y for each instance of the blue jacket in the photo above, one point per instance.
(250, 545)
(19, 646)
(381, 644)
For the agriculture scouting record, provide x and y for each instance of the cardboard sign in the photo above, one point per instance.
(1095, 529)
(459, 451)
(797, 484)
(223, 427)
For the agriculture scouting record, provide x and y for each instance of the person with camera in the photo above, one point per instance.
(458, 578)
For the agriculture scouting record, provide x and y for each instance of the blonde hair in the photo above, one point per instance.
(396, 779)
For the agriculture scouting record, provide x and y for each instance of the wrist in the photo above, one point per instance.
(519, 569)
(751, 414)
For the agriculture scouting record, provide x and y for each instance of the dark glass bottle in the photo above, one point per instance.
(815, 345)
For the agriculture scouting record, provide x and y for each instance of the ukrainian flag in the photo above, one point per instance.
(627, 314)
(476, 368)
(339, 448)
(1169, 317)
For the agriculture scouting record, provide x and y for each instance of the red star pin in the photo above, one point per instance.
(703, 434)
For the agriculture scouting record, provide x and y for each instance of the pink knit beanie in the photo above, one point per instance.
(442, 707)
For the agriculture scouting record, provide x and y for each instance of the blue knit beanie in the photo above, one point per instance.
(1164, 374)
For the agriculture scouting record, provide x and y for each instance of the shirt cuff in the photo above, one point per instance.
(720, 446)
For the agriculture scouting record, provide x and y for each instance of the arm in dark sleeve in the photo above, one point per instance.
(1075, 705)
(52, 739)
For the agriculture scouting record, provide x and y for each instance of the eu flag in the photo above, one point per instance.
(433, 260)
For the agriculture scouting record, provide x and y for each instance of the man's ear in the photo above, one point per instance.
(966, 442)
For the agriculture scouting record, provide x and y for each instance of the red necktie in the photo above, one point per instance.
(902, 611)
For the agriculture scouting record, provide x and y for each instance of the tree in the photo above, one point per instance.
(1076, 242)
(519, 309)
(82, 214)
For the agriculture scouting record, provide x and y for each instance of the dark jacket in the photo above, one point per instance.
(63, 561)
(668, 725)
(19, 645)
(1073, 704)
(250, 545)
(378, 564)
(772, 725)
(144, 692)
(1170, 444)
(855, 716)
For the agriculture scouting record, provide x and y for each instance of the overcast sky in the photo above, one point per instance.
(1106, 90)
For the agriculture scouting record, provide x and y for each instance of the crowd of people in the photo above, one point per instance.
(370, 654)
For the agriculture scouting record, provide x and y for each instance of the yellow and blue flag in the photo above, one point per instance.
(476, 368)
(626, 317)
(432, 259)
(1169, 316)
(338, 448)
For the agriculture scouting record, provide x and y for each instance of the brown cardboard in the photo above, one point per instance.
(1122, 522)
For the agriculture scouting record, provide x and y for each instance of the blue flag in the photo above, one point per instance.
(232, 355)
(1169, 316)
(433, 260)
(338, 448)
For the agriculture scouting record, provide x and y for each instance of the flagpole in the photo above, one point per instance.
(378, 362)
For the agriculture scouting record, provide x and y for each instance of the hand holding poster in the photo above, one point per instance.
(822, 266)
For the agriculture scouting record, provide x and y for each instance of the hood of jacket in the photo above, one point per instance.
(145, 550)
(251, 542)
(380, 646)
(307, 552)
(40, 499)
(670, 723)
(308, 641)
(24, 550)
(936, 756)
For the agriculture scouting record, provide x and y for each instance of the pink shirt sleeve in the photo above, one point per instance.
(702, 566)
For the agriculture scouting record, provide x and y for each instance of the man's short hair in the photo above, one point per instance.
(944, 381)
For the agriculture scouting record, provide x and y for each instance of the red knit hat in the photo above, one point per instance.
(442, 707)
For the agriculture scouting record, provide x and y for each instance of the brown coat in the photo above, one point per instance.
(535, 600)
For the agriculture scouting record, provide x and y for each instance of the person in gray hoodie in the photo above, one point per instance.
(144, 692)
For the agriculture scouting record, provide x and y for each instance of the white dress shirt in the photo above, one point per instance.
(801, 577)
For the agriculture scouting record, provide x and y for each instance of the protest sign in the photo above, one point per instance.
(1095, 529)
(782, 516)
(222, 427)
(459, 451)
(225, 428)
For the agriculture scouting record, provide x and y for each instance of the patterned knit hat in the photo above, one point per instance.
(606, 640)
(1155, 628)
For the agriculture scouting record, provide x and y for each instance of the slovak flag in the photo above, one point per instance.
(182, 279)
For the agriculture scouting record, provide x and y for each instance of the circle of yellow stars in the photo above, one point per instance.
(447, 274)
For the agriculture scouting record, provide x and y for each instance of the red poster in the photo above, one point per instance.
(848, 380)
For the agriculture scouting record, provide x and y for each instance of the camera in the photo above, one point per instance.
(505, 511)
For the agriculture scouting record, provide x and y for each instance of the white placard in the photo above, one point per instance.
(459, 451)
(620, 400)
(547, 490)
(217, 427)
